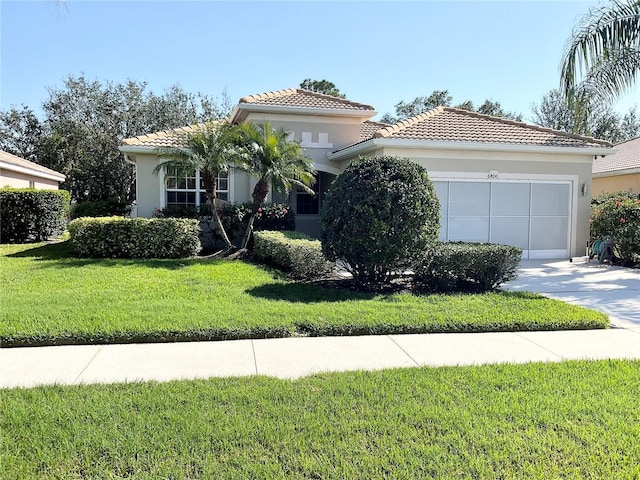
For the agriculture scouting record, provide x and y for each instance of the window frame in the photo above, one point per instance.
(198, 189)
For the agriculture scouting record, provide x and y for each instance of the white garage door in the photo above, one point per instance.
(531, 215)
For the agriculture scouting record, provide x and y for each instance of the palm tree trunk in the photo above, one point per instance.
(259, 195)
(210, 184)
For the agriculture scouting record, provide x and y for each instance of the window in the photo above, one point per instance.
(188, 190)
(306, 203)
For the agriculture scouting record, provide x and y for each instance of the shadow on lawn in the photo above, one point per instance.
(57, 256)
(306, 293)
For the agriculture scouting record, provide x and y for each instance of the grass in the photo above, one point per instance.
(565, 420)
(48, 297)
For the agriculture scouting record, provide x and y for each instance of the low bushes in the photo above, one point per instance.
(457, 266)
(118, 237)
(29, 215)
(616, 217)
(294, 252)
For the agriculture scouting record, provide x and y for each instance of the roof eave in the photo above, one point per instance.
(59, 177)
(242, 110)
(443, 145)
(615, 173)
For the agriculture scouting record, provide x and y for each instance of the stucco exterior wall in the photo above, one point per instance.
(339, 131)
(149, 190)
(616, 183)
(23, 180)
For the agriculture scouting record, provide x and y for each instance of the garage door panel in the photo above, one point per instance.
(442, 190)
(550, 199)
(510, 231)
(469, 229)
(469, 199)
(534, 216)
(443, 228)
(510, 199)
(549, 233)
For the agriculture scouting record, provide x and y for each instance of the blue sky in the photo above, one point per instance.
(376, 52)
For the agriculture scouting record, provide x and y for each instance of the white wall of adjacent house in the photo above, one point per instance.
(23, 180)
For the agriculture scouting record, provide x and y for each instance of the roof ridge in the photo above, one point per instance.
(290, 91)
(166, 133)
(403, 124)
(531, 126)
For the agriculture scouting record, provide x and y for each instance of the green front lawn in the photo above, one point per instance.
(48, 297)
(566, 420)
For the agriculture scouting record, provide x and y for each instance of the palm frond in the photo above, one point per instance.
(599, 34)
(618, 72)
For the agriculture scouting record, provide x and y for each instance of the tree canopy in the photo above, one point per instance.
(321, 86)
(583, 116)
(442, 98)
(84, 123)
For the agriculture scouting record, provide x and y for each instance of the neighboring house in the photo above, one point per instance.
(498, 180)
(620, 171)
(17, 172)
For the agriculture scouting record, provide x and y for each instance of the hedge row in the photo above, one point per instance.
(29, 215)
(463, 266)
(118, 237)
(294, 252)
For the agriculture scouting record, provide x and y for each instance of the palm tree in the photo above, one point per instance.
(272, 159)
(604, 50)
(210, 149)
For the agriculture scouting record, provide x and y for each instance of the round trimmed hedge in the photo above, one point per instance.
(379, 217)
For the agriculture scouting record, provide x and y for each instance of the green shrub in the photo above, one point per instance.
(460, 266)
(29, 215)
(100, 208)
(118, 237)
(294, 252)
(378, 216)
(616, 216)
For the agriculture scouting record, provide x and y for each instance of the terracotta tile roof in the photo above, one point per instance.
(368, 128)
(627, 157)
(448, 124)
(173, 138)
(297, 97)
(7, 157)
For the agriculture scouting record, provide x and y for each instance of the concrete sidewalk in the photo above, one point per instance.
(613, 290)
(296, 357)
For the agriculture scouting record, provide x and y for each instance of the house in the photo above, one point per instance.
(17, 172)
(498, 180)
(619, 171)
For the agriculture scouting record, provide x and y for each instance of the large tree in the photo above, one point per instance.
(209, 148)
(321, 86)
(602, 55)
(20, 132)
(84, 123)
(442, 98)
(583, 116)
(272, 158)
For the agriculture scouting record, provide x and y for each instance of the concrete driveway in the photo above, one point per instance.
(609, 289)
